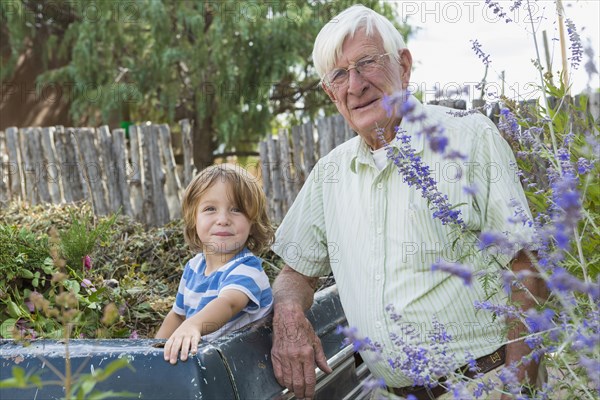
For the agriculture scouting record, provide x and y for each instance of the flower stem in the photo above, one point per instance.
(546, 103)
(563, 47)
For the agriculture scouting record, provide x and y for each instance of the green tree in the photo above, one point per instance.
(230, 66)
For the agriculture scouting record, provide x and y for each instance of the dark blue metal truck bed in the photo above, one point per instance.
(237, 366)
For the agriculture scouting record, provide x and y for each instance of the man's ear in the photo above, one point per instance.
(329, 92)
(406, 63)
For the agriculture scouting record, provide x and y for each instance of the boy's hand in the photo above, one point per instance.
(184, 339)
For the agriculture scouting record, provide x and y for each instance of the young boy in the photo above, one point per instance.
(224, 286)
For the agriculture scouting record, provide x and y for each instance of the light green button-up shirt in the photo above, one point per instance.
(379, 238)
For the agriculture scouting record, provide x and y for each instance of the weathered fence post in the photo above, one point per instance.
(339, 129)
(29, 171)
(309, 148)
(298, 159)
(172, 186)
(276, 180)
(52, 167)
(287, 170)
(188, 152)
(14, 158)
(119, 153)
(155, 207)
(325, 136)
(137, 193)
(39, 162)
(263, 151)
(109, 167)
(5, 170)
(77, 181)
(92, 169)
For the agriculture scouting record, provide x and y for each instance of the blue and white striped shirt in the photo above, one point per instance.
(243, 272)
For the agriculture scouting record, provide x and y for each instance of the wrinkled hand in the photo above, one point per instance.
(184, 339)
(296, 348)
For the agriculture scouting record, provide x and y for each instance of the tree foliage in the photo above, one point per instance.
(230, 66)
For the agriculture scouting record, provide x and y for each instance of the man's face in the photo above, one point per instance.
(359, 99)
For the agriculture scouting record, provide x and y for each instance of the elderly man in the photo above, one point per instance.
(376, 234)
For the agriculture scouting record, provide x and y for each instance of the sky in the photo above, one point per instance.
(443, 57)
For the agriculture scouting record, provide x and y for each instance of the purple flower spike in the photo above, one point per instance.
(539, 322)
(462, 271)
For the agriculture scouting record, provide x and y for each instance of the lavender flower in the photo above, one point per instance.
(471, 190)
(402, 105)
(499, 241)
(516, 5)
(590, 65)
(423, 362)
(576, 47)
(592, 366)
(562, 281)
(508, 125)
(372, 384)
(358, 343)
(462, 271)
(508, 376)
(538, 322)
(415, 173)
(498, 10)
(508, 311)
(584, 165)
(485, 58)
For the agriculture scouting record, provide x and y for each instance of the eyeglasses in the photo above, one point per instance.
(366, 65)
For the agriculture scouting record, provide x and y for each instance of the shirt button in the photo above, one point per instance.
(380, 186)
(377, 277)
(378, 325)
(379, 230)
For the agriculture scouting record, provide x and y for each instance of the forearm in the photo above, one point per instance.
(292, 289)
(212, 317)
(296, 346)
(170, 324)
(532, 292)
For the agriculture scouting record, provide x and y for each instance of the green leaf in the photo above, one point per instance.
(72, 286)
(14, 310)
(48, 266)
(25, 273)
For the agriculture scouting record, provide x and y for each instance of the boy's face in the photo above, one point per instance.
(220, 224)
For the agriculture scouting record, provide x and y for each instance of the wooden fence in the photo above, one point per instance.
(136, 175)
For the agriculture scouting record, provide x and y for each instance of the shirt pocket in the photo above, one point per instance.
(428, 240)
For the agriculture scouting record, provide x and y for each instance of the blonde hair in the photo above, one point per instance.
(245, 192)
(328, 44)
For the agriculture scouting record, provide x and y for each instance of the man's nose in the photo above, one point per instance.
(356, 82)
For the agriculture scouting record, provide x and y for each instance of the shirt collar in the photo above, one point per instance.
(417, 141)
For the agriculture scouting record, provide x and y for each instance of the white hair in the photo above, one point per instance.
(329, 41)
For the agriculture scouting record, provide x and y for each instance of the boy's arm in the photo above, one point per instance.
(212, 317)
(170, 324)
